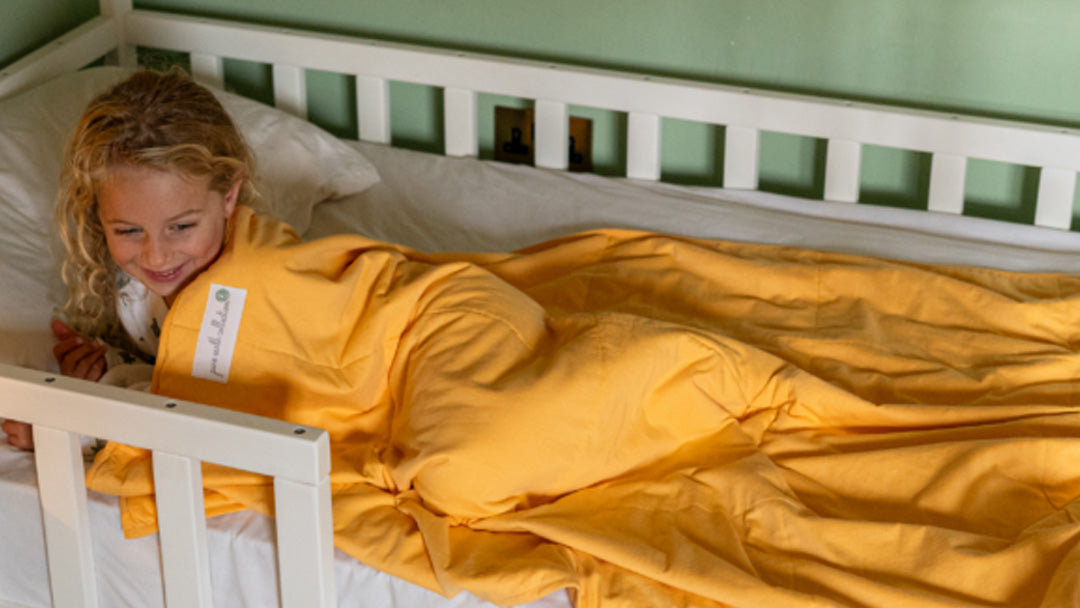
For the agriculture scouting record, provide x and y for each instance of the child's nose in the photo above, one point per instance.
(154, 253)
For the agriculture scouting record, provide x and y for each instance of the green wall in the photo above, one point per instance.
(26, 24)
(1001, 58)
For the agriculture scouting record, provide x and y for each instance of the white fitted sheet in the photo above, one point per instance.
(435, 203)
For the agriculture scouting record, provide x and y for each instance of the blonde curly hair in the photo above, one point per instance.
(159, 120)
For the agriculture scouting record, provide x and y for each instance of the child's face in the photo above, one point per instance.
(163, 228)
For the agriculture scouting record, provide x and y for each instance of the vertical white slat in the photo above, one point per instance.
(208, 69)
(843, 161)
(552, 134)
(58, 456)
(742, 156)
(373, 109)
(305, 544)
(1054, 205)
(125, 54)
(114, 7)
(643, 146)
(459, 120)
(290, 89)
(948, 175)
(181, 515)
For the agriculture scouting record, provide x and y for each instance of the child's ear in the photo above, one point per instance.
(233, 195)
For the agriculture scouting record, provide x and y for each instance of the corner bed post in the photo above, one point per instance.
(124, 55)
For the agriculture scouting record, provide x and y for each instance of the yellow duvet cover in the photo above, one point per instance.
(655, 421)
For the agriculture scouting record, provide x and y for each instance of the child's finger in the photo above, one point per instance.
(97, 370)
(77, 361)
(62, 348)
(70, 351)
(19, 434)
(87, 362)
(61, 330)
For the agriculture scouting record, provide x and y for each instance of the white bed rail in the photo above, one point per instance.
(91, 40)
(847, 126)
(181, 435)
(99, 37)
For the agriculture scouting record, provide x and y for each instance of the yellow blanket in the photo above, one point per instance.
(657, 421)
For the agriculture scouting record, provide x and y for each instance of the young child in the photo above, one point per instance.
(152, 175)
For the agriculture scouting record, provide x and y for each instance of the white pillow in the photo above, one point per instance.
(298, 166)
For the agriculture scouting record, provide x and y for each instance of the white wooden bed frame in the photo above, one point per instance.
(183, 434)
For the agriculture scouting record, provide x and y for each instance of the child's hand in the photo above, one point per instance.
(77, 356)
(19, 434)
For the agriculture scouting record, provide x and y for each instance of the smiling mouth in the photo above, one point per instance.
(164, 277)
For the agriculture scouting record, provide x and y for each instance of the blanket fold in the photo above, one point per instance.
(652, 420)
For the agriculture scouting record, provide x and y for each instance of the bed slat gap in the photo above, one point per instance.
(58, 457)
(1054, 203)
(181, 515)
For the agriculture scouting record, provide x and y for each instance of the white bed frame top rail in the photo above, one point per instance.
(847, 126)
(182, 435)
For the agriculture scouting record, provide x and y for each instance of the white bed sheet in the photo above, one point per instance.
(436, 203)
(442, 204)
(129, 569)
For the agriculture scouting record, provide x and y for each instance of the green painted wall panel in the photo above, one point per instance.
(26, 24)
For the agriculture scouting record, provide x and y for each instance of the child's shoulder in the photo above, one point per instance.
(254, 230)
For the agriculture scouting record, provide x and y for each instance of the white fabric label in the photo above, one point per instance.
(217, 336)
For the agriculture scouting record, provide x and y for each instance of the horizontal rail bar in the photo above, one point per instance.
(73, 50)
(234, 439)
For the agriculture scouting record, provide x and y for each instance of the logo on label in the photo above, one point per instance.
(217, 335)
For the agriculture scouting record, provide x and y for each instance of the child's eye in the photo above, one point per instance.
(183, 227)
(126, 231)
